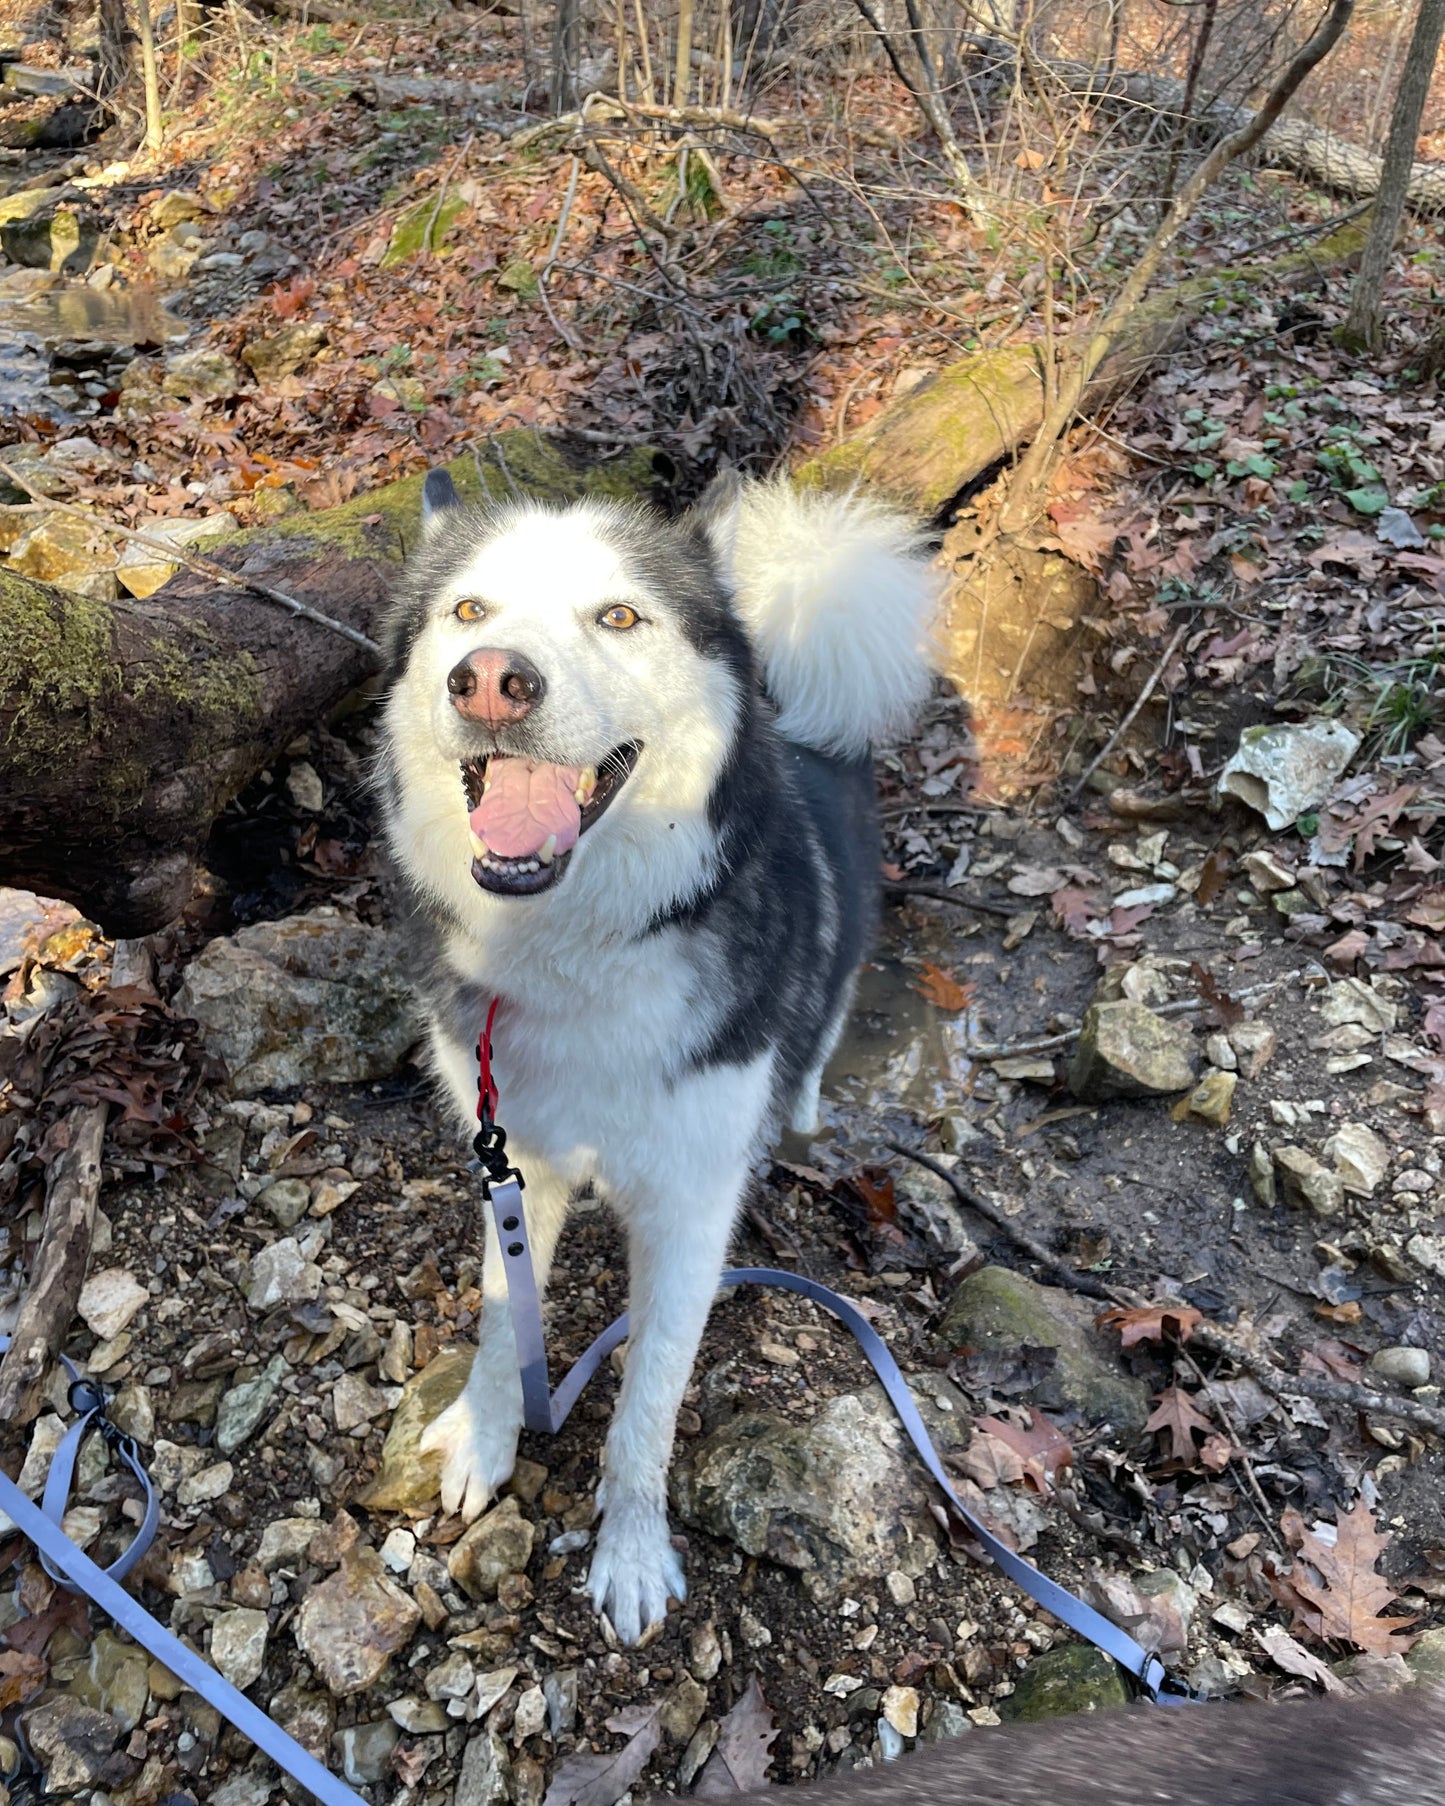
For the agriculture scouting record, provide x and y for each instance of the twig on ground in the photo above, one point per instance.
(1205, 1335)
(903, 887)
(203, 567)
(1151, 684)
(565, 333)
(51, 1297)
(895, 809)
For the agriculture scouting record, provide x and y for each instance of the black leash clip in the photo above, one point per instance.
(489, 1146)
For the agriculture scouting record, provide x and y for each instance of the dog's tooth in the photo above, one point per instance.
(586, 784)
(479, 846)
(547, 852)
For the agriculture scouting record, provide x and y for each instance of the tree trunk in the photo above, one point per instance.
(151, 77)
(126, 727)
(970, 416)
(1362, 326)
(566, 36)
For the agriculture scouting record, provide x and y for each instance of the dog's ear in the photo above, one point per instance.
(714, 516)
(438, 494)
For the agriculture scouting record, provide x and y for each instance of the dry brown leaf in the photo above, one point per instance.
(1294, 1658)
(745, 1738)
(941, 988)
(1178, 1418)
(601, 1779)
(1344, 1603)
(1151, 1322)
(990, 1461)
(1043, 1447)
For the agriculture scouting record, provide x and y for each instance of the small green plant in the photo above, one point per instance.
(1393, 704)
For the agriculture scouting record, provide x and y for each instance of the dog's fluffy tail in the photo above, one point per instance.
(838, 596)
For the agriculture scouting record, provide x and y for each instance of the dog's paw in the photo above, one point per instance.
(477, 1457)
(635, 1569)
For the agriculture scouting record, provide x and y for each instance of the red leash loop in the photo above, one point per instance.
(486, 1084)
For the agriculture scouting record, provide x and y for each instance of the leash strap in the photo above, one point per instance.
(545, 1411)
(73, 1568)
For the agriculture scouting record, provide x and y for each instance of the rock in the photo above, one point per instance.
(238, 1645)
(1351, 1000)
(456, 1678)
(890, 1743)
(283, 353)
(176, 206)
(314, 998)
(900, 1709)
(351, 1625)
(835, 1498)
(498, 1544)
(207, 1484)
(1284, 772)
(398, 1552)
(530, 1718)
(682, 1709)
(75, 1745)
(41, 232)
(408, 1480)
(1359, 1156)
(1408, 1367)
(285, 1543)
(142, 570)
(366, 1751)
(419, 1717)
(1219, 1053)
(281, 1274)
(171, 255)
(21, 78)
(1261, 1176)
(204, 374)
(114, 1680)
(1254, 1045)
(1426, 1660)
(110, 1299)
(241, 1410)
(1268, 874)
(1210, 1099)
(287, 1200)
(1307, 1182)
(946, 1721)
(1126, 1050)
(395, 1363)
(65, 551)
(995, 1308)
(354, 1402)
(308, 1715)
(901, 1589)
(486, 1774)
(1077, 1678)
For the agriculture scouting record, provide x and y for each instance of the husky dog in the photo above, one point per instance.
(627, 779)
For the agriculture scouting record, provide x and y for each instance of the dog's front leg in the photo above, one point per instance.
(677, 1241)
(477, 1436)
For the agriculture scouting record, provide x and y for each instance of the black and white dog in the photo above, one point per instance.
(627, 778)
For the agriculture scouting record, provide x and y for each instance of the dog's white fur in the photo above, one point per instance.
(601, 1021)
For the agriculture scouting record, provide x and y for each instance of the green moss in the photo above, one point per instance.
(59, 662)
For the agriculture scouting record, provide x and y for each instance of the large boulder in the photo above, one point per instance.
(997, 1309)
(312, 998)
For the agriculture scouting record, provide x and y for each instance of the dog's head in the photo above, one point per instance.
(552, 668)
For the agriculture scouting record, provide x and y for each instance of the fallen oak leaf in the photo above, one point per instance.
(989, 1461)
(1043, 1447)
(1178, 1417)
(939, 987)
(601, 1778)
(745, 1738)
(1151, 1322)
(22, 1676)
(1340, 1594)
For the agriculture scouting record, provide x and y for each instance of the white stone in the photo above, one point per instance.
(110, 1299)
(1360, 1157)
(281, 1274)
(399, 1551)
(206, 1485)
(284, 1542)
(1283, 772)
(238, 1645)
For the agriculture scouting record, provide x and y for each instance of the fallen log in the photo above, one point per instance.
(126, 726)
(970, 416)
(1380, 1751)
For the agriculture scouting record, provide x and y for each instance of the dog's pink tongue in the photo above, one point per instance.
(527, 800)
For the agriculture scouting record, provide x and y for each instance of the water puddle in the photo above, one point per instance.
(62, 349)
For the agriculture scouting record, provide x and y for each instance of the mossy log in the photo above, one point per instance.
(970, 416)
(126, 726)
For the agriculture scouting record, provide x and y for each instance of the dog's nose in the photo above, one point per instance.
(495, 688)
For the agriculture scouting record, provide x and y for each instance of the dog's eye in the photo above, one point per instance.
(470, 611)
(619, 616)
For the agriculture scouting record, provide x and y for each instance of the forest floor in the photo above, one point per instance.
(1261, 518)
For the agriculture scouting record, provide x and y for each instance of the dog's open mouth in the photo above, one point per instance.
(527, 815)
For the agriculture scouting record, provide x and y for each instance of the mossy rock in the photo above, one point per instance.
(1426, 1661)
(1077, 1678)
(421, 229)
(40, 234)
(997, 1309)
